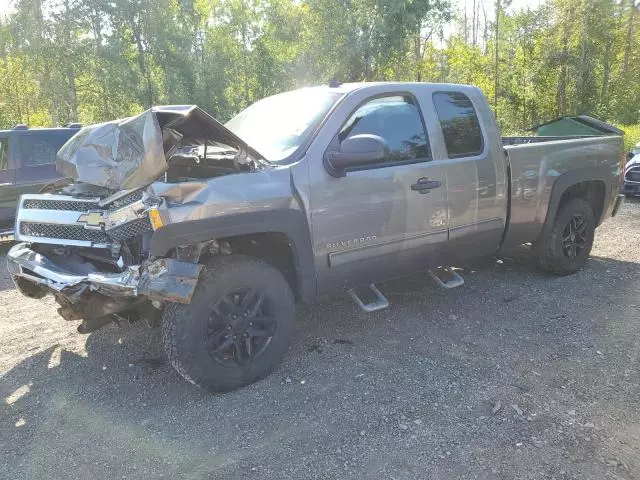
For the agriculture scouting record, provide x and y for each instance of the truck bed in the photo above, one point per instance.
(538, 163)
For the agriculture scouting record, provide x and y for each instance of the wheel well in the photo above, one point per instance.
(592, 191)
(274, 248)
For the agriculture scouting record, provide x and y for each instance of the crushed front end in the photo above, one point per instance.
(92, 254)
(87, 240)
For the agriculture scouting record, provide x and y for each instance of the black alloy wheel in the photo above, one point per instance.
(240, 327)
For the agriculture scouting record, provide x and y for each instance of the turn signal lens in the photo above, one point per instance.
(155, 219)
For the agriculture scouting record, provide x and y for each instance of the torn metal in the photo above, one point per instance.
(132, 152)
(164, 279)
(169, 280)
(121, 154)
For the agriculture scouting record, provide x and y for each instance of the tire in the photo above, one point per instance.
(194, 335)
(553, 255)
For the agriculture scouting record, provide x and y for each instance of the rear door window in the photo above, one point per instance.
(40, 149)
(4, 153)
(397, 120)
(460, 125)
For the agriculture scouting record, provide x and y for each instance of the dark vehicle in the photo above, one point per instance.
(215, 231)
(631, 186)
(27, 163)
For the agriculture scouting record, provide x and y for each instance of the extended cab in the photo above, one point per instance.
(216, 231)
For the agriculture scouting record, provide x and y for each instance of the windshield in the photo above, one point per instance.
(277, 126)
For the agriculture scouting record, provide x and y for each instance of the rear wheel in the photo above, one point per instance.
(236, 328)
(565, 249)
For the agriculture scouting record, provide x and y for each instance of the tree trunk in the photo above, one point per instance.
(73, 102)
(627, 48)
(71, 77)
(465, 27)
(497, 66)
(143, 63)
(606, 70)
(524, 79)
(45, 73)
(561, 93)
(245, 56)
(474, 25)
(485, 30)
(581, 81)
(417, 52)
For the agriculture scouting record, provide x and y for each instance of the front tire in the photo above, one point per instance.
(565, 249)
(237, 327)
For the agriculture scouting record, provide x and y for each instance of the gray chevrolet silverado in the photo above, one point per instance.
(216, 231)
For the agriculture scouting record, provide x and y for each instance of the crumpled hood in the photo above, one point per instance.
(132, 152)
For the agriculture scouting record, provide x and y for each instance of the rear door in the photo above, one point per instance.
(7, 178)
(378, 221)
(475, 175)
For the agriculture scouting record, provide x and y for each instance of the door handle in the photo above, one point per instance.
(424, 185)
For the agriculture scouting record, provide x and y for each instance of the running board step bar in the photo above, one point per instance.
(378, 303)
(446, 278)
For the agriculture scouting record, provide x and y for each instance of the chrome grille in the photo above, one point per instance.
(56, 219)
(633, 175)
(80, 206)
(66, 205)
(129, 230)
(62, 232)
(124, 201)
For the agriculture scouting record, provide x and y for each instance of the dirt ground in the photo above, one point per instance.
(515, 375)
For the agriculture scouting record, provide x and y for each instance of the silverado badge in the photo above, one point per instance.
(92, 219)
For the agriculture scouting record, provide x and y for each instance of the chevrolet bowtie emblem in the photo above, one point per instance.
(92, 219)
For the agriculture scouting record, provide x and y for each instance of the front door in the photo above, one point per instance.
(386, 219)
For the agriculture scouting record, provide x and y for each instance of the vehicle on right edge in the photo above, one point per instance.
(631, 186)
(216, 231)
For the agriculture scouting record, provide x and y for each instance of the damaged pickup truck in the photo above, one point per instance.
(215, 231)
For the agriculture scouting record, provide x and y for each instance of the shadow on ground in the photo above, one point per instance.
(516, 375)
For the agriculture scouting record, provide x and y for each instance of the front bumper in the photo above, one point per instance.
(164, 279)
(630, 188)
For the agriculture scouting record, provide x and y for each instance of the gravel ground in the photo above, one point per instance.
(515, 375)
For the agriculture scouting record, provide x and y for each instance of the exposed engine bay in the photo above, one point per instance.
(87, 239)
(177, 141)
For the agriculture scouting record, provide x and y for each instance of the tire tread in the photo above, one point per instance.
(178, 323)
(549, 259)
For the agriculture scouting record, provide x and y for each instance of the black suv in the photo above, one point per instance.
(27, 163)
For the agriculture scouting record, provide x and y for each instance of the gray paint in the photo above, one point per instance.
(541, 172)
(370, 225)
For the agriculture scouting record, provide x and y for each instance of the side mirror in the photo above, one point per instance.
(356, 151)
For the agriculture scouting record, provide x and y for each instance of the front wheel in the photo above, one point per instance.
(565, 249)
(237, 327)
